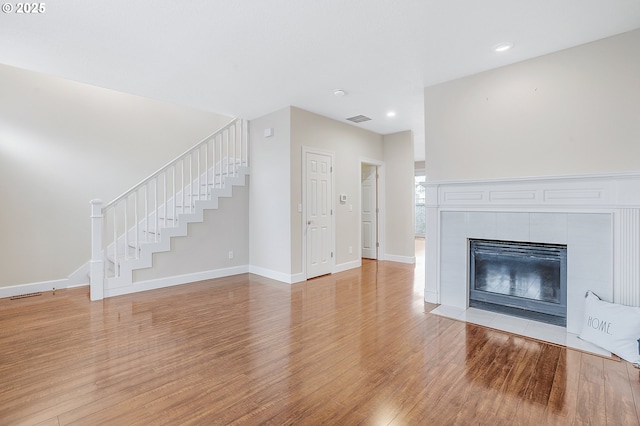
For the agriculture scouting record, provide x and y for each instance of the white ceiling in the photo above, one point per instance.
(250, 57)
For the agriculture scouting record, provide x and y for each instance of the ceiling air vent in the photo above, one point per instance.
(358, 118)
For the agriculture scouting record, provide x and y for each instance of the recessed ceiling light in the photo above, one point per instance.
(502, 47)
(339, 93)
(391, 114)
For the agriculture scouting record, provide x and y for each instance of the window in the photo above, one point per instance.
(420, 212)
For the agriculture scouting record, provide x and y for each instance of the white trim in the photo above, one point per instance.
(401, 259)
(176, 280)
(305, 150)
(42, 286)
(79, 277)
(348, 265)
(587, 192)
(297, 278)
(275, 275)
(431, 297)
(606, 176)
(77, 285)
(381, 185)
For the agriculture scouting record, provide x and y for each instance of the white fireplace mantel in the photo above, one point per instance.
(597, 216)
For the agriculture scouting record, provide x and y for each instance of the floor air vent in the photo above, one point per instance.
(22, 296)
(358, 118)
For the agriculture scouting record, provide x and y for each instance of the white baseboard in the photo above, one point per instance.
(401, 259)
(348, 265)
(176, 280)
(17, 290)
(431, 297)
(275, 275)
(80, 276)
(298, 278)
(76, 279)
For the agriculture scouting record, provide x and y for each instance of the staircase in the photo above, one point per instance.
(131, 228)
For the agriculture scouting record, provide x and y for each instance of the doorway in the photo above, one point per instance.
(318, 190)
(369, 211)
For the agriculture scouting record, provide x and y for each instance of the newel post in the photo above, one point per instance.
(96, 265)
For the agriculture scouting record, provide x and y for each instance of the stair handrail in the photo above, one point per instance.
(171, 163)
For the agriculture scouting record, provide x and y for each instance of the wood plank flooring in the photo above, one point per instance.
(356, 347)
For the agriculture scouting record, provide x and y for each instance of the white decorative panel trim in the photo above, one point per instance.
(591, 191)
(564, 195)
(463, 196)
(512, 195)
(627, 278)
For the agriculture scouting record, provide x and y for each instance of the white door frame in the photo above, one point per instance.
(381, 206)
(372, 213)
(305, 150)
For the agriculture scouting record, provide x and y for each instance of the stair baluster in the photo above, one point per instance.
(226, 160)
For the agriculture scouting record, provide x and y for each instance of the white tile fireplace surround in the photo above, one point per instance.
(596, 216)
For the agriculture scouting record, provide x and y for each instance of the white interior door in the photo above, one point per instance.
(319, 250)
(369, 212)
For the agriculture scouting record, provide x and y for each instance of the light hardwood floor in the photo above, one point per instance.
(353, 348)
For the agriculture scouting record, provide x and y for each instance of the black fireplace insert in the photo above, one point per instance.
(519, 278)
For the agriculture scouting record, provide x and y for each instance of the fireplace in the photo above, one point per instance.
(596, 216)
(523, 279)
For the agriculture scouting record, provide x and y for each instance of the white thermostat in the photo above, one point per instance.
(343, 198)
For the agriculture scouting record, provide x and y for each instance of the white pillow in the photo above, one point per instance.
(613, 327)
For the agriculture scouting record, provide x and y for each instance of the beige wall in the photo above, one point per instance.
(399, 198)
(270, 213)
(276, 186)
(63, 143)
(350, 145)
(207, 245)
(570, 112)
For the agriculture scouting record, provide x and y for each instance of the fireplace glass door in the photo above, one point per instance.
(519, 278)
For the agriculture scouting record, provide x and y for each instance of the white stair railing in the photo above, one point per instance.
(138, 216)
